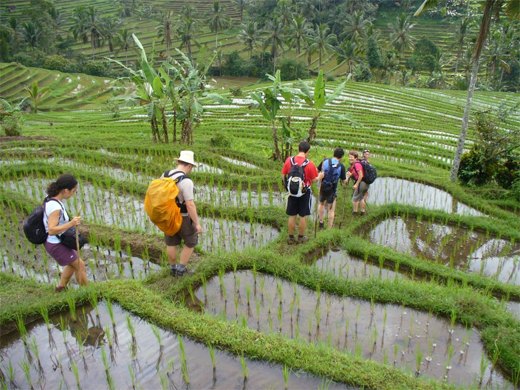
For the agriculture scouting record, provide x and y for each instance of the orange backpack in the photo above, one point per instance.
(161, 205)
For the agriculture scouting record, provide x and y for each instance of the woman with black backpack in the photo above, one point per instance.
(360, 187)
(56, 222)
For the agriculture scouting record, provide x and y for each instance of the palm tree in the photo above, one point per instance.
(36, 94)
(285, 14)
(31, 33)
(298, 30)
(93, 25)
(348, 52)
(165, 31)
(123, 41)
(491, 7)
(401, 37)
(108, 28)
(79, 24)
(249, 35)
(460, 37)
(187, 27)
(217, 20)
(323, 41)
(241, 5)
(356, 25)
(274, 38)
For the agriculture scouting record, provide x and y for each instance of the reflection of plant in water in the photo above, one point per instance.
(184, 364)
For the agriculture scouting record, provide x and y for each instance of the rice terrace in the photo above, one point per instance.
(419, 290)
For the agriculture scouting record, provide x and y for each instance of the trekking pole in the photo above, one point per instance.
(316, 214)
(77, 242)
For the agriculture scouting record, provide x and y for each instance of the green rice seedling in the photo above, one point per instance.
(26, 368)
(243, 321)
(75, 372)
(33, 347)
(345, 342)
(22, 329)
(45, 315)
(418, 360)
(72, 307)
(245, 369)
(285, 374)
(111, 312)
(130, 327)
(184, 365)
(211, 350)
(106, 365)
(165, 382)
(396, 352)
(157, 334)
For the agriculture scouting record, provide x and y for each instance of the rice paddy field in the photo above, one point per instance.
(421, 293)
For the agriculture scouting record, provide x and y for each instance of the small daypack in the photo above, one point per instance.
(161, 204)
(33, 226)
(331, 178)
(369, 172)
(296, 179)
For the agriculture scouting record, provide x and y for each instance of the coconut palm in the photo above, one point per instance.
(186, 30)
(460, 37)
(491, 7)
(356, 25)
(249, 35)
(124, 41)
(165, 30)
(298, 30)
(108, 29)
(79, 24)
(400, 35)
(284, 11)
(275, 38)
(217, 20)
(323, 41)
(349, 52)
(241, 5)
(36, 95)
(31, 33)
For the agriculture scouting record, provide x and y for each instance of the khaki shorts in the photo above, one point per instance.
(188, 234)
(360, 192)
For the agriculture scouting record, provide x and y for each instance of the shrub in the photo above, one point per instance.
(515, 189)
(220, 140)
(234, 65)
(236, 91)
(11, 125)
(94, 68)
(292, 70)
(362, 73)
(472, 171)
(57, 62)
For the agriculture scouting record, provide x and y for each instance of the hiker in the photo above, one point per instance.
(190, 228)
(360, 187)
(331, 172)
(56, 221)
(366, 157)
(298, 173)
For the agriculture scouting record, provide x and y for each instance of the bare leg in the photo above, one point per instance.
(321, 211)
(66, 274)
(171, 251)
(185, 255)
(332, 213)
(291, 224)
(302, 226)
(80, 272)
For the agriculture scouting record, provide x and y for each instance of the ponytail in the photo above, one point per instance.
(64, 182)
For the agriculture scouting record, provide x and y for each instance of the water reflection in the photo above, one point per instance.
(460, 248)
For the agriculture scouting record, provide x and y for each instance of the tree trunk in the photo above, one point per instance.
(153, 125)
(276, 152)
(483, 32)
(164, 125)
(186, 137)
(174, 126)
(312, 130)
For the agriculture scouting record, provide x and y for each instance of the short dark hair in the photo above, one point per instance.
(304, 147)
(366, 151)
(339, 153)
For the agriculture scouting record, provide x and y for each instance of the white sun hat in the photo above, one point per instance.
(187, 156)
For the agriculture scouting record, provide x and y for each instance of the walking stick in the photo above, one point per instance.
(77, 242)
(316, 214)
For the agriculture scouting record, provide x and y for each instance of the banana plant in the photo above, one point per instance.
(36, 94)
(317, 100)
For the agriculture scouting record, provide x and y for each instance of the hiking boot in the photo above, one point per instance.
(291, 240)
(302, 239)
(178, 270)
(355, 213)
(363, 213)
(59, 289)
(321, 225)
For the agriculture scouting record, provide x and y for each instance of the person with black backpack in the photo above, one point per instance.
(331, 172)
(360, 187)
(56, 222)
(298, 173)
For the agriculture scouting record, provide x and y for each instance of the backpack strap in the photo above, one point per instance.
(47, 199)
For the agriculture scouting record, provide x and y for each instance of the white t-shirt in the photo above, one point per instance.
(51, 206)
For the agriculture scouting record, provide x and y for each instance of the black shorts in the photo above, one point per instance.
(328, 197)
(299, 206)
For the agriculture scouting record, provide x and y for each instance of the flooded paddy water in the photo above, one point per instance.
(386, 190)
(101, 206)
(107, 347)
(452, 246)
(408, 339)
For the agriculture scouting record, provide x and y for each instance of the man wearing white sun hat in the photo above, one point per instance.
(190, 228)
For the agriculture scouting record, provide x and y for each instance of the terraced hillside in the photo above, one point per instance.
(423, 292)
(145, 27)
(66, 91)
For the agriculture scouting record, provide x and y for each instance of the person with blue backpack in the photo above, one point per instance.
(298, 173)
(331, 172)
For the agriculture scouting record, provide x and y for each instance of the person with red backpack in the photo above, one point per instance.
(298, 173)
(356, 172)
(190, 227)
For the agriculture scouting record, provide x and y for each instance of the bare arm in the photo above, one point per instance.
(192, 212)
(54, 219)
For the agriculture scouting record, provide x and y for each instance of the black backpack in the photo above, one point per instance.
(331, 178)
(369, 172)
(33, 226)
(296, 179)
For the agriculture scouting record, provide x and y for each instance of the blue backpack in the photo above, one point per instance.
(332, 174)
